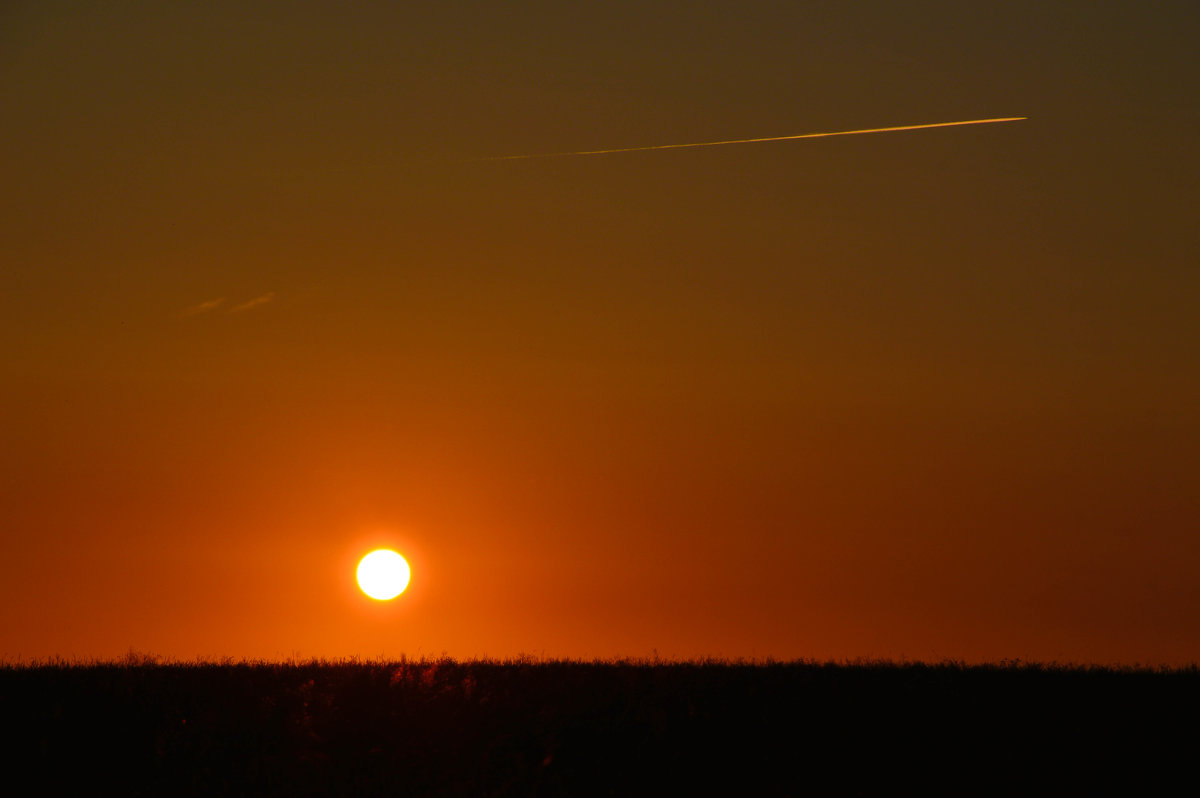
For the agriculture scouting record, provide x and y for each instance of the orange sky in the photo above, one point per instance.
(267, 302)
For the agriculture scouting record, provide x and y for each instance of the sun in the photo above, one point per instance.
(383, 574)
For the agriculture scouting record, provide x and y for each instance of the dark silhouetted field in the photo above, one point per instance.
(440, 727)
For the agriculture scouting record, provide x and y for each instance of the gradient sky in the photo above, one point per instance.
(267, 301)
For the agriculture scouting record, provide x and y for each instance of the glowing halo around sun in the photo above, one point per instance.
(383, 574)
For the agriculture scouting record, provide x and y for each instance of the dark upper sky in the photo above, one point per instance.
(265, 300)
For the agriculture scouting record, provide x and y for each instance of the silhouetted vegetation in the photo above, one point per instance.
(526, 727)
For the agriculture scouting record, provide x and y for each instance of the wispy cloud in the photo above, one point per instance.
(253, 303)
(893, 129)
(203, 307)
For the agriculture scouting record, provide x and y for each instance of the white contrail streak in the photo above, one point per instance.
(768, 138)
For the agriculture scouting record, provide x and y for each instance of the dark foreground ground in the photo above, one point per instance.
(571, 728)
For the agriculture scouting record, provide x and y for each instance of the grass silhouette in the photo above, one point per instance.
(526, 726)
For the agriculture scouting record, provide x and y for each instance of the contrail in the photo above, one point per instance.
(755, 141)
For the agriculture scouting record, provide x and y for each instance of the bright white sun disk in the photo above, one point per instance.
(383, 574)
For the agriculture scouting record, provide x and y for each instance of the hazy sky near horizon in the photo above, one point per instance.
(267, 299)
